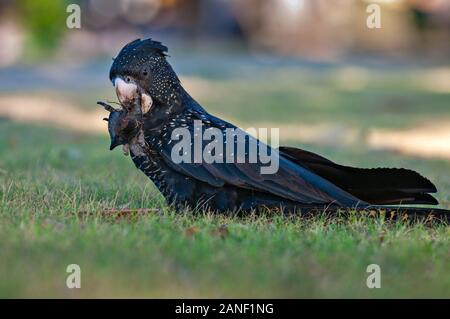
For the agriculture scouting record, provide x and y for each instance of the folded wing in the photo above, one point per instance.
(292, 181)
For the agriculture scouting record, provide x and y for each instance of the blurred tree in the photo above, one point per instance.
(45, 24)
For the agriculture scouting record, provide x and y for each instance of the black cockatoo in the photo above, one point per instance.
(154, 105)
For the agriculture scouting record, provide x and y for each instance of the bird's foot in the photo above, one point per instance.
(106, 106)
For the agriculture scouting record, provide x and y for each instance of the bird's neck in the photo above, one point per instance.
(183, 102)
(188, 102)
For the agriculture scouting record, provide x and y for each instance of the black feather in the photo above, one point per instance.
(134, 55)
(375, 186)
(304, 180)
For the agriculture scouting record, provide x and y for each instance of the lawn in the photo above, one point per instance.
(55, 185)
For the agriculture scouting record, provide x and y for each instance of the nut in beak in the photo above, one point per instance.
(146, 103)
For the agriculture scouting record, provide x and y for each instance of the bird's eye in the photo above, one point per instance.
(144, 73)
(127, 79)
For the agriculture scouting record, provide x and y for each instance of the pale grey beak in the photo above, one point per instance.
(126, 92)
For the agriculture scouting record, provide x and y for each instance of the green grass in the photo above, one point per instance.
(55, 184)
(48, 176)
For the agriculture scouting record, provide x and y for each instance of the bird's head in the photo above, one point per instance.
(141, 71)
(122, 126)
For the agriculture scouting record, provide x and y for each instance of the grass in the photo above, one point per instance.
(49, 176)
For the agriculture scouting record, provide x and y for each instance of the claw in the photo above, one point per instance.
(107, 107)
(126, 149)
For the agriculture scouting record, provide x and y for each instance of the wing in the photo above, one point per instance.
(290, 181)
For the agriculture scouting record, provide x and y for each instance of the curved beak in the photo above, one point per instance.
(126, 92)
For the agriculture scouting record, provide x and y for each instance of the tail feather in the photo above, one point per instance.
(393, 197)
(394, 213)
(377, 186)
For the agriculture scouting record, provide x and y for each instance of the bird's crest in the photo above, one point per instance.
(147, 44)
(135, 54)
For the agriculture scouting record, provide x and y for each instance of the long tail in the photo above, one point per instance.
(378, 186)
(394, 213)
